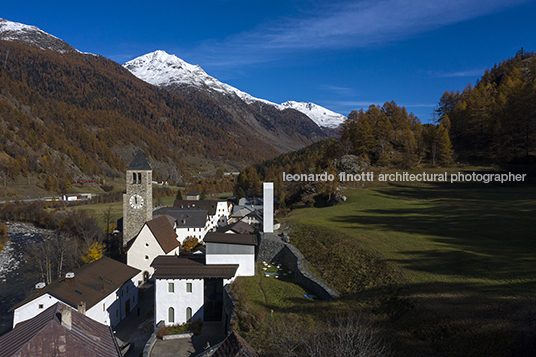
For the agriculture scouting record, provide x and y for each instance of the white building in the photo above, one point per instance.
(157, 237)
(225, 248)
(191, 287)
(186, 289)
(105, 290)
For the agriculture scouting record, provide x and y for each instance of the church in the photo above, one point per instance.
(187, 286)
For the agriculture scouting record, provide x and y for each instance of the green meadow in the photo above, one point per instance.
(466, 254)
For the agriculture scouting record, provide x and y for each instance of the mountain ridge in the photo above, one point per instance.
(162, 69)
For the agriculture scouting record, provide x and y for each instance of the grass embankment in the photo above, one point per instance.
(454, 265)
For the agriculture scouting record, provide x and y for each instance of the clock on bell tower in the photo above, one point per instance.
(138, 199)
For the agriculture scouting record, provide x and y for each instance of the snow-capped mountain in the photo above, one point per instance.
(323, 117)
(33, 36)
(164, 70)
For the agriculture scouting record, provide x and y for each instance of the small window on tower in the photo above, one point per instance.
(139, 177)
(133, 177)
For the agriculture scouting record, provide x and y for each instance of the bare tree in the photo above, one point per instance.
(52, 256)
(346, 335)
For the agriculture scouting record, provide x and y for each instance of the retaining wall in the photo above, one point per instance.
(272, 249)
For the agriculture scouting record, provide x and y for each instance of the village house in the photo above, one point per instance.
(105, 290)
(191, 287)
(157, 237)
(59, 330)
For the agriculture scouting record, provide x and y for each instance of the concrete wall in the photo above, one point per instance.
(268, 207)
(228, 310)
(271, 248)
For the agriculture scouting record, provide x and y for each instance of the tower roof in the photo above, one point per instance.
(139, 162)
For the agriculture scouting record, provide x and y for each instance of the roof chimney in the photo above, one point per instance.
(66, 317)
(39, 286)
(69, 278)
(82, 307)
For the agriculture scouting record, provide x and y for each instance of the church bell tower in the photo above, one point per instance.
(138, 199)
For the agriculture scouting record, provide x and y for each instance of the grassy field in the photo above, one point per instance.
(467, 254)
(98, 210)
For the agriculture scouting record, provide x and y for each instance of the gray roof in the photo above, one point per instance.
(139, 162)
(242, 239)
(207, 205)
(191, 267)
(45, 335)
(184, 218)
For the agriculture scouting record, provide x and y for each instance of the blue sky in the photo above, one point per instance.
(344, 55)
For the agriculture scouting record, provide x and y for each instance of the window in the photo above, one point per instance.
(171, 287)
(40, 306)
(103, 307)
(133, 177)
(146, 257)
(139, 177)
(188, 287)
(188, 314)
(146, 244)
(171, 315)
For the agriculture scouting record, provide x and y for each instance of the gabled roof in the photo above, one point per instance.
(191, 267)
(44, 335)
(207, 205)
(239, 227)
(139, 162)
(164, 233)
(91, 283)
(184, 218)
(192, 193)
(235, 346)
(218, 237)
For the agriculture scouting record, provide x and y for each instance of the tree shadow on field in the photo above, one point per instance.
(477, 232)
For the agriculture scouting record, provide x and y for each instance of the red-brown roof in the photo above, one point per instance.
(218, 237)
(164, 233)
(92, 283)
(192, 267)
(44, 335)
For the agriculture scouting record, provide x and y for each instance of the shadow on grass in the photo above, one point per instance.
(479, 233)
(460, 319)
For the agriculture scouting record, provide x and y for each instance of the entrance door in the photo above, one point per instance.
(213, 304)
(127, 307)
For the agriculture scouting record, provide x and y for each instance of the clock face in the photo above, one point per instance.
(136, 201)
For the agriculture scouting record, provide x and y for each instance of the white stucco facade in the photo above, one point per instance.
(144, 249)
(33, 308)
(179, 300)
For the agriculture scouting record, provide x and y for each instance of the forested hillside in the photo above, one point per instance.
(495, 119)
(72, 116)
(492, 122)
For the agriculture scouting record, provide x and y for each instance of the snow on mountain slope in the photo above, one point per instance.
(323, 117)
(162, 69)
(31, 35)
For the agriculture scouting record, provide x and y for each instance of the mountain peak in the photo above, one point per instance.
(33, 36)
(323, 117)
(162, 69)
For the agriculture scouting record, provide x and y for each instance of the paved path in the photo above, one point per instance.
(138, 326)
(187, 347)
